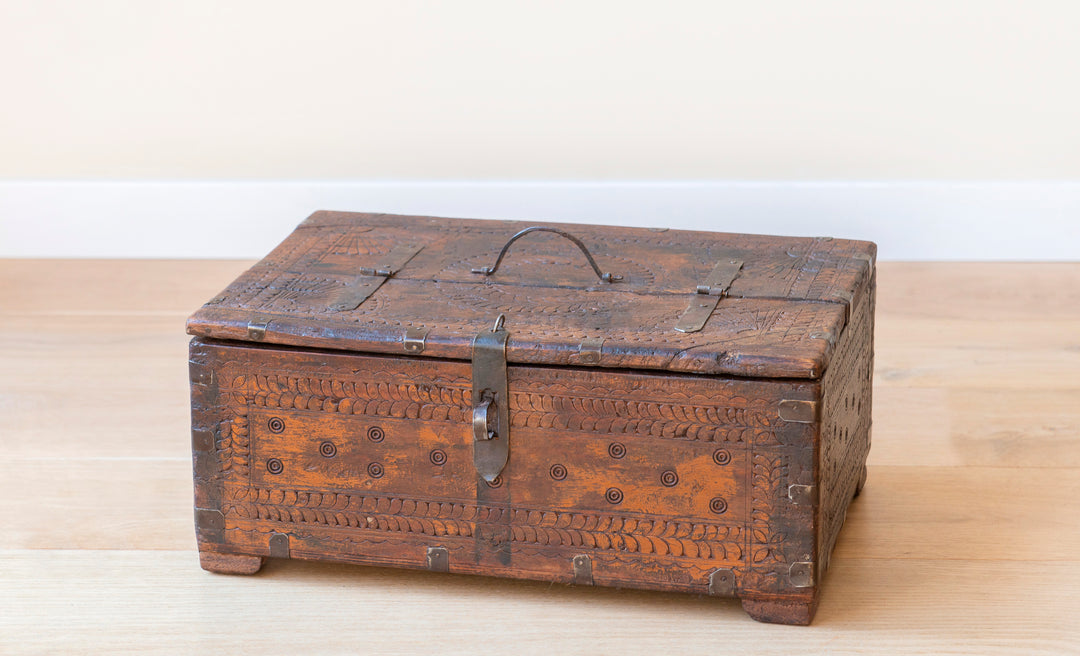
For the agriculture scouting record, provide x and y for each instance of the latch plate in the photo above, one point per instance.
(491, 411)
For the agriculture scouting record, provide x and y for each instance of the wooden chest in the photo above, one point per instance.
(645, 408)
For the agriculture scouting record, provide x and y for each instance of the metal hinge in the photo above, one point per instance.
(708, 296)
(415, 339)
(256, 329)
(491, 411)
(590, 350)
(371, 278)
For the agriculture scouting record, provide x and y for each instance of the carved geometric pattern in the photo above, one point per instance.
(604, 411)
(555, 407)
(655, 536)
(367, 396)
(234, 445)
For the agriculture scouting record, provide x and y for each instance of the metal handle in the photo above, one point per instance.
(606, 277)
(481, 420)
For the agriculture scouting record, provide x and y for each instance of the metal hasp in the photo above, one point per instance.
(491, 411)
(371, 278)
(708, 296)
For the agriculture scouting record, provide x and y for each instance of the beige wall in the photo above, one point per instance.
(829, 89)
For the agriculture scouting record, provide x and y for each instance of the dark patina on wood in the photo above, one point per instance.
(334, 415)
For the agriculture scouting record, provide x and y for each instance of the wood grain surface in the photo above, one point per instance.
(963, 541)
(787, 295)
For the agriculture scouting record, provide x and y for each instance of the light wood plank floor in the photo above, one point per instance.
(965, 540)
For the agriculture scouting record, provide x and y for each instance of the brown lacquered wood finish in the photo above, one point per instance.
(720, 462)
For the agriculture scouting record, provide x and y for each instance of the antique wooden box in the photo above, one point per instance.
(645, 408)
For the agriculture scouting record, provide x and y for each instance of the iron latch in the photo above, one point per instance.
(371, 278)
(491, 407)
(708, 296)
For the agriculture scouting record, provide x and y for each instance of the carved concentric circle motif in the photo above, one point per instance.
(437, 457)
(274, 466)
(275, 425)
(495, 483)
(558, 472)
(375, 434)
(613, 495)
(721, 456)
(327, 450)
(669, 478)
(616, 450)
(375, 470)
(718, 505)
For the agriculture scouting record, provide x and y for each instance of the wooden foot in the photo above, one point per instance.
(229, 563)
(781, 611)
(862, 481)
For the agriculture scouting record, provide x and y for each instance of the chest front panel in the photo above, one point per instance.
(660, 480)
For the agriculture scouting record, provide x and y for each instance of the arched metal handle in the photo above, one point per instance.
(606, 277)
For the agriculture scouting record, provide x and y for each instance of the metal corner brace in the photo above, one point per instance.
(491, 406)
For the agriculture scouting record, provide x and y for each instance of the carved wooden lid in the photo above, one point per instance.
(326, 287)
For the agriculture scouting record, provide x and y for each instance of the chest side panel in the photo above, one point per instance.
(660, 481)
(846, 421)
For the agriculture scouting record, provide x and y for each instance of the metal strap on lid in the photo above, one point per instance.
(708, 296)
(371, 278)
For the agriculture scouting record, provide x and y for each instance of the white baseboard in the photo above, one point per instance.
(908, 220)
